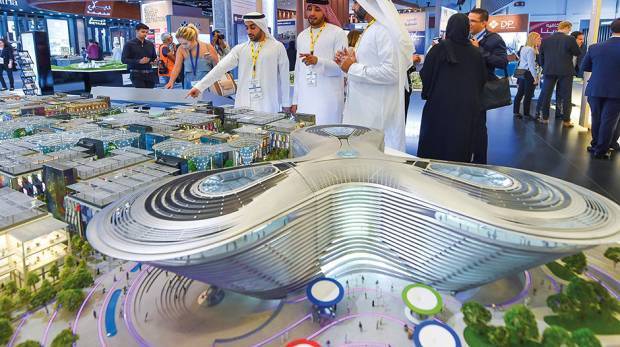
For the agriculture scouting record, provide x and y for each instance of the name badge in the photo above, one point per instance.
(311, 78)
(256, 91)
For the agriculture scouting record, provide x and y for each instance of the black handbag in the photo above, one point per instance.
(520, 73)
(496, 93)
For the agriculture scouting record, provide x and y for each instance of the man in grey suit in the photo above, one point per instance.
(556, 55)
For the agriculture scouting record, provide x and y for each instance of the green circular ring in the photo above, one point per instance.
(417, 310)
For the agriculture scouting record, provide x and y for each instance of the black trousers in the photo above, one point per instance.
(565, 86)
(525, 93)
(481, 140)
(143, 80)
(605, 116)
(407, 100)
(9, 72)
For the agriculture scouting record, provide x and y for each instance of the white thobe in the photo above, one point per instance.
(325, 99)
(374, 95)
(272, 72)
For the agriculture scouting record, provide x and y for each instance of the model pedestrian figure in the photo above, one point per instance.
(114, 278)
(365, 295)
(125, 290)
(373, 303)
(361, 327)
(127, 275)
(362, 279)
(95, 314)
(146, 316)
(103, 291)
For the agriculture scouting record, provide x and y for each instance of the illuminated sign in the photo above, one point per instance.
(511, 23)
(99, 8)
(98, 22)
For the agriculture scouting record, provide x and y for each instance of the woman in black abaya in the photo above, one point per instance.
(453, 77)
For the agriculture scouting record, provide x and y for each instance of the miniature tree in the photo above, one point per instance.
(54, 271)
(70, 261)
(65, 338)
(43, 295)
(70, 299)
(6, 331)
(10, 288)
(6, 307)
(29, 343)
(498, 336)
(86, 250)
(32, 279)
(613, 254)
(24, 296)
(555, 336)
(521, 324)
(476, 316)
(78, 279)
(585, 338)
(576, 262)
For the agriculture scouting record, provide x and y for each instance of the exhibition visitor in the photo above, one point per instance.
(377, 72)
(117, 51)
(197, 57)
(527, 75)
(495, 54)
(7, 63)
(603, 92)
(449, 118)
(319, 82)
(92, 51)
(167, 57)
(264, 82)
(577, 61)
(218, 41)
(556, 56)
(138, 54)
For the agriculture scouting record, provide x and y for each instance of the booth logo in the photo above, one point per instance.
(9, 2)
(99, 8)
(503, 25)
(512, 23)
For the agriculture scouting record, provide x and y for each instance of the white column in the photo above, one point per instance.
(595, 21)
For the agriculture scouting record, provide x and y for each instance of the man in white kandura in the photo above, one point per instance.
(377, 72)
(264, 82)
(319, 82)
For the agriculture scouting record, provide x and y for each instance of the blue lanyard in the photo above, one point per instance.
(191, 59)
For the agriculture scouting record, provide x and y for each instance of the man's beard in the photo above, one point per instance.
(360, 14)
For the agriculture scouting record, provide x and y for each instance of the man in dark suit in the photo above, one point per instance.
(556, 55)
(493, 49)
(603, 91)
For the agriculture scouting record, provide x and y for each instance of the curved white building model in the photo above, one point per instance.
(342, 205)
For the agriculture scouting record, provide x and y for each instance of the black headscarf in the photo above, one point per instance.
(457, 32)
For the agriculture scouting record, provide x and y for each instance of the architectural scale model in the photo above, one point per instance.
(340, 206)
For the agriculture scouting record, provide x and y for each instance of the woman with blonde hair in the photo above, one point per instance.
(527, 75)
(196, 56)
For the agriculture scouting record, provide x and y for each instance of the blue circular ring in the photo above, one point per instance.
(318, 302)
(419, 327)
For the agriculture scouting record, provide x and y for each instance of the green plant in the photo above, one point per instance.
(6, 307)
(585, 338)
(70, 260)
(613, 254)
(24, 296)
(30, 343)
(10, 287)
(555, 336)
(576, 262)
(65, 339)
(498, 336)
(32, 279)
(43, 295)
(6, 331)
(54, 271)
(70, 299)
(521, 324)
(476, 316)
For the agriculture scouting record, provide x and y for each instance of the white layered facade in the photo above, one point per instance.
(342, 205)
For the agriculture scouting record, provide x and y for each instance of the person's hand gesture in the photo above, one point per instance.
(349, 60)
(194, 93)
(145, 60)
(309, 59)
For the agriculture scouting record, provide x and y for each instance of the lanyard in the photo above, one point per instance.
(360, 39)
(314, 40)
(255, 57)
(194, 61)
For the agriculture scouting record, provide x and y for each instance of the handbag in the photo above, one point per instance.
(496, 93)
(226, 86)
(520, 73)
(162, 69)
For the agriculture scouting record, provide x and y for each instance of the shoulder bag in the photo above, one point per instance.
(496, 93)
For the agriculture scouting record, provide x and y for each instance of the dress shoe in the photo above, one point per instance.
(11, 89)
(604, 156)
(518, 115)
(568, 124)
(615, 147)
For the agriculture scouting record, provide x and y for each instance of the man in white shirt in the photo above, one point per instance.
(319, 82)
(264, 82)
(377, 72)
